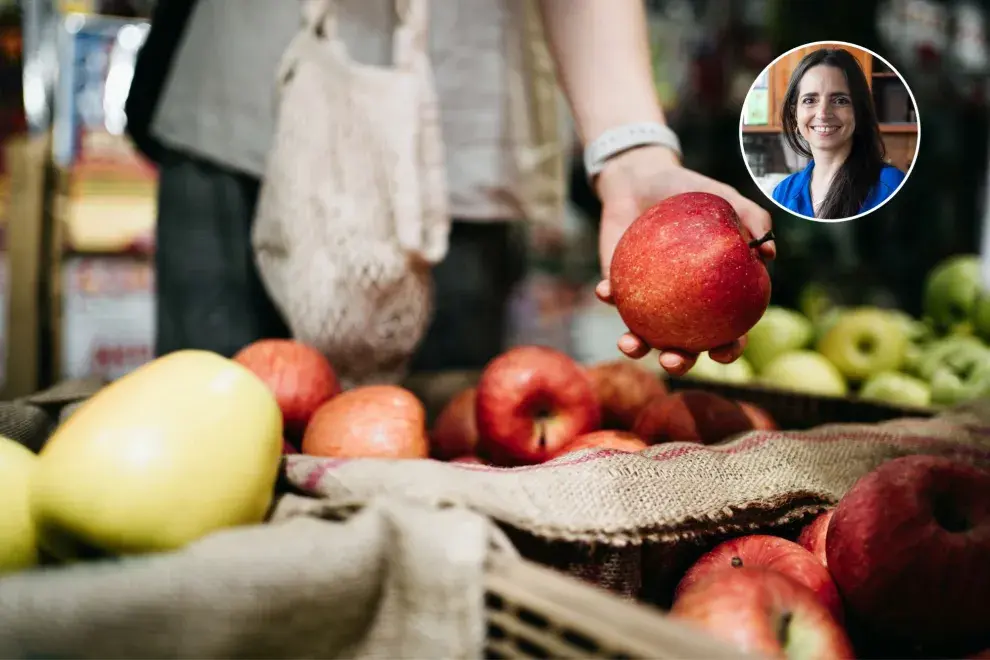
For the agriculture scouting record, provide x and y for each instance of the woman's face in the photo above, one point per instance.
(825, 115)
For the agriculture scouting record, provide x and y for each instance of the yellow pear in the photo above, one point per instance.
(18, 541)
(185, 445)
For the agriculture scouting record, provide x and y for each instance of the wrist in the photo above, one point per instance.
(622, 139)
(643, 161)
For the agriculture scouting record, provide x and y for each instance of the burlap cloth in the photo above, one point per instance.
(403, 576)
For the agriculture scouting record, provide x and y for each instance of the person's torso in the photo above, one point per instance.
(794, 192)
(219, 101)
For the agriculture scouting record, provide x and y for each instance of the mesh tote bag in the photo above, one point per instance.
(353, 210)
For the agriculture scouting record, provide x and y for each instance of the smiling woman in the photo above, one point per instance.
(827, 114)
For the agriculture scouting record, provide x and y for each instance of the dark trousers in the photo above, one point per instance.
(210, 296)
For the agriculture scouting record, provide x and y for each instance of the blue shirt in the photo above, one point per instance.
(794, 192)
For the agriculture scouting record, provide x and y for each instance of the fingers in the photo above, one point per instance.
(604, 292)
(677, 363)
(757, 222)
(632, 346)
(729, 352)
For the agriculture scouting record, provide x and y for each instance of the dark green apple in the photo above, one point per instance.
(950, 293)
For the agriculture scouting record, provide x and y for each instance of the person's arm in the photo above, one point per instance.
(602, 52)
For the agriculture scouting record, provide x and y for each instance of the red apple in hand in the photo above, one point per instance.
(763, 612)
(374, 421)
(623, 388)
(772, 553)
(812, 537)
(454, 431)
(684, 277)
(299, 376)
(909, 547)
(690, 416)
(531, 402)
(619, 440)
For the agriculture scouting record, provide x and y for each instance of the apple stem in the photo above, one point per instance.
(542, 431)
(767, 237)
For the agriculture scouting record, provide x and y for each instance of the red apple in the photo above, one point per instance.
(909, 547)
(301, 378)
(684, 276)
(454, 431)
(608, 439)
(772, 553)
(623, 388)
(812, 537)
(531, 402)
(474, 460)
(690, 416)
(760, 611)
(758, 417)
(374, 421)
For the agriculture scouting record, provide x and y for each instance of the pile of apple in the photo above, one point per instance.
(900, 565)
(875, 353)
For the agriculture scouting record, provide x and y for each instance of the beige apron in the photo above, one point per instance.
(353, 209)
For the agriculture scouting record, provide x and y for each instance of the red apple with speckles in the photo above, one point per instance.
(812, 537)
(374, 421)
(607, 439)
(299, 376)
(773, 553)
(531, 402)
(455, 432)
(909, 547)
(623, 388)
(684, 276)
(690, 416)
(765, 613)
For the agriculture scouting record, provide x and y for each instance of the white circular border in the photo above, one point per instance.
(917, 145)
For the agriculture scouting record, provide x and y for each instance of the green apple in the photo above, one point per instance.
(738, 372)
(18, 539)
(981, 315)
(780, 331)
(864, 341)
(804, 371)
(917, 331)
(814, 301)
(826, 321)
(949, 351)
(950, 292)
(897, 388)
(962, 381)
(184, 446)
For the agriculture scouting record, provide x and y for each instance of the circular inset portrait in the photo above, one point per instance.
(830, 131)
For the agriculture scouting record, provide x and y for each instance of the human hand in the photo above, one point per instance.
(636, 180)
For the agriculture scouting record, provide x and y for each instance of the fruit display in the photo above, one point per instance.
(901, 557)
(873, 353)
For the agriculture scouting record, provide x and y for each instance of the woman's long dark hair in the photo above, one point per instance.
(861, 170)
